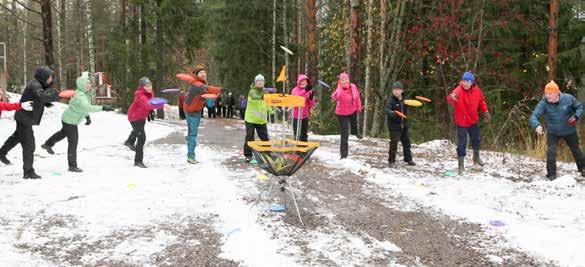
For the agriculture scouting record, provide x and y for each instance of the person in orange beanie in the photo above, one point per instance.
(562, 112)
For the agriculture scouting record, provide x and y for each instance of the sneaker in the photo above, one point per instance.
(31, 175)
(248, 158)
(192, 161)
(411, 163)
(4, 160)
(131, 146)
(343, 157)
(551, 177)
(391, 164)
(75, 169)
(48, 148)
(140, 164)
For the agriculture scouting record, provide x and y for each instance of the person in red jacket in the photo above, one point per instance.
(14, 106)
(137, 114)
(467, 98)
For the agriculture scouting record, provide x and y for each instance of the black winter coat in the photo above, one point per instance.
(41, 94)
(394, 121)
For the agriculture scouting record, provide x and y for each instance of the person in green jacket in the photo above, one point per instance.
(255, 116)
(79, 108)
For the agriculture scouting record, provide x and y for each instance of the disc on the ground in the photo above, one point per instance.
(450, 173)
(209, 96)
(262, 177)
(132, 186)
(254, 161)
(412, 103)
(424, 99)
(497, 223)
(277, 208)
(400, 114)
(158, 101)
(67, 93)
(171, 90)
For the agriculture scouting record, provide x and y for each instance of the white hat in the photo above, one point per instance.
(259, 77)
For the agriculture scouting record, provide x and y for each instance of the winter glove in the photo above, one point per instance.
(454, 97)
(27, 105)
(487, 117)
(150, 116)
(572, 121)
(539, 130)
(107, 108)
(308, 87)
(87, 120)
(48, 105)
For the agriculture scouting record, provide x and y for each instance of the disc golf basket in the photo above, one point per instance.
(282, 157)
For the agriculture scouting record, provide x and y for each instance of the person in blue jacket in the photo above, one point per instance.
(562, 112)
(210, 104)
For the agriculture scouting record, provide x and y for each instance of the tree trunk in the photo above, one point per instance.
(61, 5)
(354, 45)
(376, 120)
(369, 59)
(47, 32)
(160, 51)
(552, 39)
(273, 43)
(90, 37)
(123, 13)
(285, 39)
(313, 53)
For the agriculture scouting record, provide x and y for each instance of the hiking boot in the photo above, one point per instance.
(4, 160)
(476, 158)
(131, 146)
(411, 163)
(343, 157)
(551, 177)
(192, 161)
(391, 164)
(48, 148)
(140, 164)
(31, 175)
(75, 169)
(461, 165)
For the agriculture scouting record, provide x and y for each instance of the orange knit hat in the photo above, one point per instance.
(198, 68)
(551, 88)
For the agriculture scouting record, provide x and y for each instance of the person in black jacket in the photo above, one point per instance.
(40, 92)
(230, 103)
(398, 125)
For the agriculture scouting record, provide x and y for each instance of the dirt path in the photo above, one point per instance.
(424, 236)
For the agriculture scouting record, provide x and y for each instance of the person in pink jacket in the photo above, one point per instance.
(304, 89)
(349, 104)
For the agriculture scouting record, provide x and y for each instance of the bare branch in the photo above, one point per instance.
(19, 18)
(27, 8)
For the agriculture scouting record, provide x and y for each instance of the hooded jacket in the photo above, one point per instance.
(309, 102)
(41, 93)
(347, 98)
(80, 105)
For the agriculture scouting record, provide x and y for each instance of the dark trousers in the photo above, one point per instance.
(402, 136)
(345, 122)
(304, 129)
(25, 136)
(262, 132)
(242, 113)
(230, 112)
(210, 112)
(572, 141)
(462, 132)
(138, 134)
(72, 134)
(181, 114)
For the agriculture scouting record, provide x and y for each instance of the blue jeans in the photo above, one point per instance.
(193, 120)
(473, 132)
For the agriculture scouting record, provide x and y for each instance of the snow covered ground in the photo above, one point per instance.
(116, 214)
